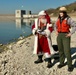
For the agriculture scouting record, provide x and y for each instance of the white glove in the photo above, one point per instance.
(38, 31)
(42, 33)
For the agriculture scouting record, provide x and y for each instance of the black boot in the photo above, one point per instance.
(39, 60)
(61, 65)
(70, 69)
(49, 65)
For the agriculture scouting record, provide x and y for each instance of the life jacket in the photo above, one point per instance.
(64, 26)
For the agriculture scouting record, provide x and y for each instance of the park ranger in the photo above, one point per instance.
(62, 26)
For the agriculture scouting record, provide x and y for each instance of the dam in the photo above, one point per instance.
(22, 14)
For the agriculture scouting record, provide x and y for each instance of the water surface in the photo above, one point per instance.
(13, 29)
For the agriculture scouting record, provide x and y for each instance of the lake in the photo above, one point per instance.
(13, 29)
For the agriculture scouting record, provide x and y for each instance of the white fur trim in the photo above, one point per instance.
(36, 23)
(47, 55)
(47, 32)
(36, 26)
(42, 13)
(40, 53)
(50, 47)
(35, 45)
(49, 25)
(36, 38)
(34, 30)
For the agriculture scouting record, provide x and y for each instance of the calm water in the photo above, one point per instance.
(10, 30)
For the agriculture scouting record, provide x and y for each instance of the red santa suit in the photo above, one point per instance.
(43, 44)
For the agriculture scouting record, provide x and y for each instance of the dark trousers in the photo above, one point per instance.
(64, 48)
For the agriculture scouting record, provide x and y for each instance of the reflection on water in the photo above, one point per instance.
(14, 29)
(20, 23)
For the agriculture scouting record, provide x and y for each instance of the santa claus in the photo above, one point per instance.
(42, 29)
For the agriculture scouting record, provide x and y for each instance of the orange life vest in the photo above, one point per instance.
(62, 27)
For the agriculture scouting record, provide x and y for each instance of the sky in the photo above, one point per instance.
(9, 6)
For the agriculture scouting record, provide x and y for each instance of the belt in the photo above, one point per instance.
(63, 32)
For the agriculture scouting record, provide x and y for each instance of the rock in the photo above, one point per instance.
(21, 37)
(1, 44)
(38, 73)
(21, 41)
(10, 46)
(5, 73)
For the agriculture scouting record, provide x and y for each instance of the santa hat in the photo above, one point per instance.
(47, 17)
(42, 13)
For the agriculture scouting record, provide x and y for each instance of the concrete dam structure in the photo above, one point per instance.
(23, 14)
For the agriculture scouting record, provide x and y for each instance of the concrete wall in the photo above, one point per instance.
(19, 13)
(22, 14)
(30, 16)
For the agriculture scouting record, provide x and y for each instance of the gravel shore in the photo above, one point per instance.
(19, 59)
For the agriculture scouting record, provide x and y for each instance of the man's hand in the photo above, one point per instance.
(68, 35)
(57, 33)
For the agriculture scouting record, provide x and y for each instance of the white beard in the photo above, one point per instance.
(43, 21)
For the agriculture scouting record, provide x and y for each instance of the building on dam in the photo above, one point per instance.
(23, 14)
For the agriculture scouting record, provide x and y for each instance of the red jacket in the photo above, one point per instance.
(62, 27)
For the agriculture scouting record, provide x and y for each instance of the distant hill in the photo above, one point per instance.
(71, 9)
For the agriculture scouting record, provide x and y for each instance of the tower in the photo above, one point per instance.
(19, 13)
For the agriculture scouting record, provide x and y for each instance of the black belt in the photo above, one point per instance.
(63, 32)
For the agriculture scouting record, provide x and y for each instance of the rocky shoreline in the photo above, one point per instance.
(18, 59)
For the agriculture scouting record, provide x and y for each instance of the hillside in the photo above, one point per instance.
(71, 9)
